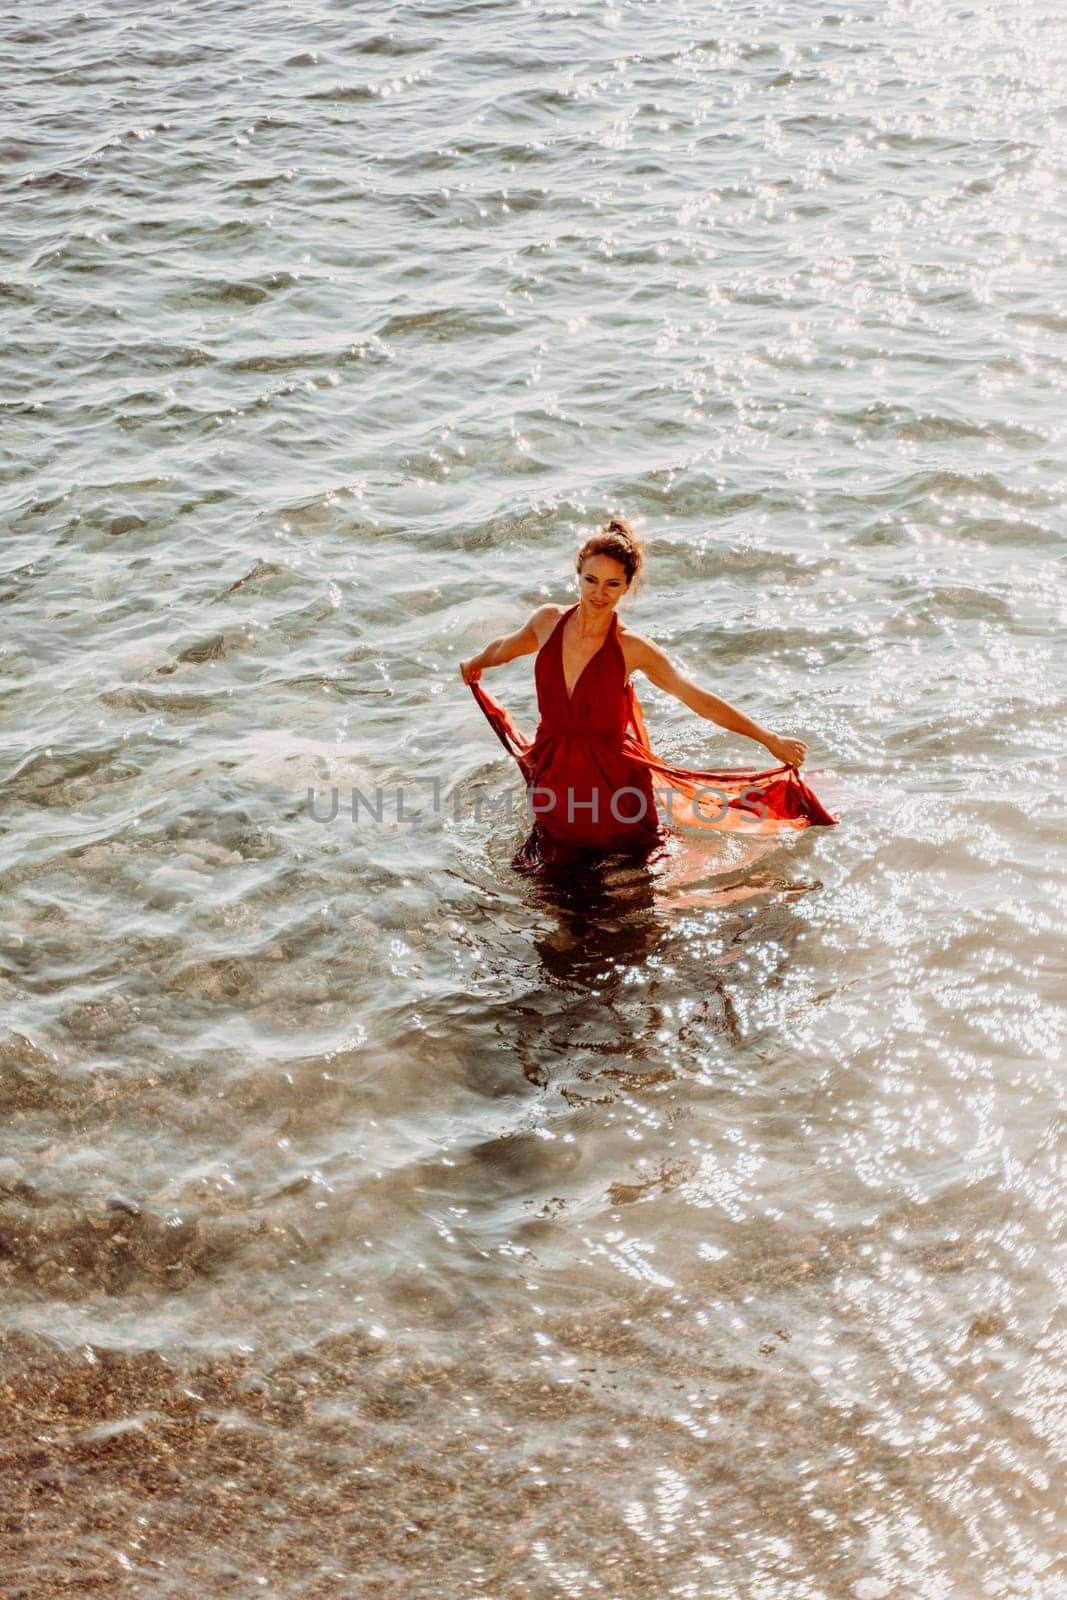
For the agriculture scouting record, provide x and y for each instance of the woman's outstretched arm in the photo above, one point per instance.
(524, 642)
(665, 675)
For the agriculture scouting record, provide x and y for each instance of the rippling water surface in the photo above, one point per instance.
(372, 1222)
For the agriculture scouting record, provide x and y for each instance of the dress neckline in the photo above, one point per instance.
(608, 636)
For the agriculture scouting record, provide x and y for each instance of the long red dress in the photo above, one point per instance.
(589, 769)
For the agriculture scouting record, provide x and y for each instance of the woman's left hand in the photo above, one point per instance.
(468, 671)
(791, 751)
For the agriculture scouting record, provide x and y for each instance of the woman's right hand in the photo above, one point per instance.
(468, 671)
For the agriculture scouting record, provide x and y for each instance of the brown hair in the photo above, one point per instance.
(616, 539)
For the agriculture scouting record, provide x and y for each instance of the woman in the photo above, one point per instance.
(589, 776)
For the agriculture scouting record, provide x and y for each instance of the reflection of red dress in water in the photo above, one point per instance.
(589, 769)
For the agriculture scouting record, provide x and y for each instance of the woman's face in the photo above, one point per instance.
(602, 581)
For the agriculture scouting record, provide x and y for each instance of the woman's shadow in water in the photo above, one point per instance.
(605, 919)
(612, 913)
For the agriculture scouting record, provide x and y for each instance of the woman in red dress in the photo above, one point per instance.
(589, 769)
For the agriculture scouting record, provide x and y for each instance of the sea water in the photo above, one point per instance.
(373, 1221)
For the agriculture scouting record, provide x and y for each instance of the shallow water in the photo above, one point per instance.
(374, 1222)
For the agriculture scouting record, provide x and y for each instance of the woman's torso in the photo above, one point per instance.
(575, 653)
(590, 792)
(583, 695)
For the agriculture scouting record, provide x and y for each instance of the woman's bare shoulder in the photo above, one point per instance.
(544, 621)
(636, 645)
